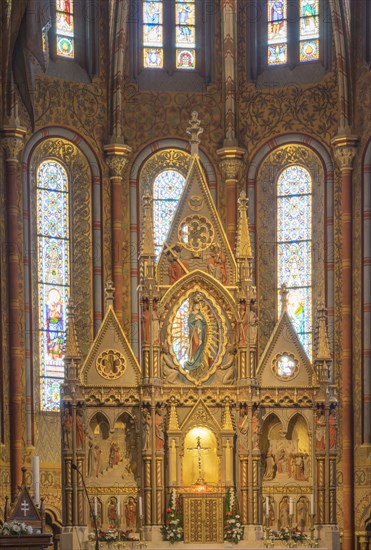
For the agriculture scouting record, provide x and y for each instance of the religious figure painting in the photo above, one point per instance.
(197, 339)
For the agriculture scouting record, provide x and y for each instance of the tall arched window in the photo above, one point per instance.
(167, 189)
(294, 247)
(53, 274)
(65, 28)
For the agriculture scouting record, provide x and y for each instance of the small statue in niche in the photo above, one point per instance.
(80, 430)
(320, 431)
(270, 467)
(146, 428)
(67, 429)
(160, 427)
(177, 268)
(112, 513)
(256, 429)
(243, 323)
(243, 428)
(302, 513)
(145, 322)
(253, 322)
(216, 264)
(155, 323)
(284, 513)
(131, 514)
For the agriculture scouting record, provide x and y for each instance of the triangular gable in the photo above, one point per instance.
(284, 341)
(25, 510)
(196, 238)
(200, 415)
(110, 361)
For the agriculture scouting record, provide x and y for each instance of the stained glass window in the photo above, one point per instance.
(294, 248)
(153, 40)
(53, 276)
(65, 28)
(185, 42)
(277, 32)
(309, 30)
(158, 29)
(284, 36)
(167, 189)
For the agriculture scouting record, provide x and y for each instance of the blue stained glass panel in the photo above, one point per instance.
(167, 189)
(53, 276)
(294, 248)
(295, 218)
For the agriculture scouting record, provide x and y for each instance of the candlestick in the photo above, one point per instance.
(267, 506)
(140, 506)
(291, 506)
(118, 505)
(313, 539)
(95, 506)
(36, 479)
(312, 504)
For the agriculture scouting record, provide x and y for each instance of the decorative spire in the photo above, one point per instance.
(243, 246)
(109, 292)
(227, 418)
(72, 346)
(194, 130)
(283, 293)
(148, 245)
(323, 348)
(173, 418)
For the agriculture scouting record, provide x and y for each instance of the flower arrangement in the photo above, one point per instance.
(16, 529)
(284, 534)
(233, 529)
(171, 530)
(111, 535)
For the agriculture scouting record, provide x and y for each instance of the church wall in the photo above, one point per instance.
(264, 114)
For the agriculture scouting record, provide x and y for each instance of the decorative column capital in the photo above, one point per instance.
(117, 156)
(345, 148)
(12, 138)
(231, 162)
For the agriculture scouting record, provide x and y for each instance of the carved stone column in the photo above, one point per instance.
(117, 158)
(231, 166)
(13, 141)
(345, 150)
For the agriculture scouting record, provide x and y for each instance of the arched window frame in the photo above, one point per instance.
(265, 168)
(169, 77)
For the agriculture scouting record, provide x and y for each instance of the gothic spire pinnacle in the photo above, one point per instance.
(72, 346)
(109, 292)
(194, 130)
(323, 348)
(243, 246)
(173, 419)
(148, 245)
(283, 293)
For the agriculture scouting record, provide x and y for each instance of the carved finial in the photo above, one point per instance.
(109, 293)
(72, 347)
(173, 418)
(243, 245)
(194, 130)
(227, 418)
(323, 348)
(148, 245)
(283, 293)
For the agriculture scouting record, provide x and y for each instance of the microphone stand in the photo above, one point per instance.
(74, 467)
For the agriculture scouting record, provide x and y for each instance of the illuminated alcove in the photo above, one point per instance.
(200, 460)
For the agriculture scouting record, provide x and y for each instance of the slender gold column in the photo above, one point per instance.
(345, 150)
(117, 158)
(231, 166)
(13, 141)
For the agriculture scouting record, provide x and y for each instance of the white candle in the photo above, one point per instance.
(267, 506)
(118, 506)
(291, 506)
(95, 506)
(140, 506)
(36, 479)
(312, 504)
